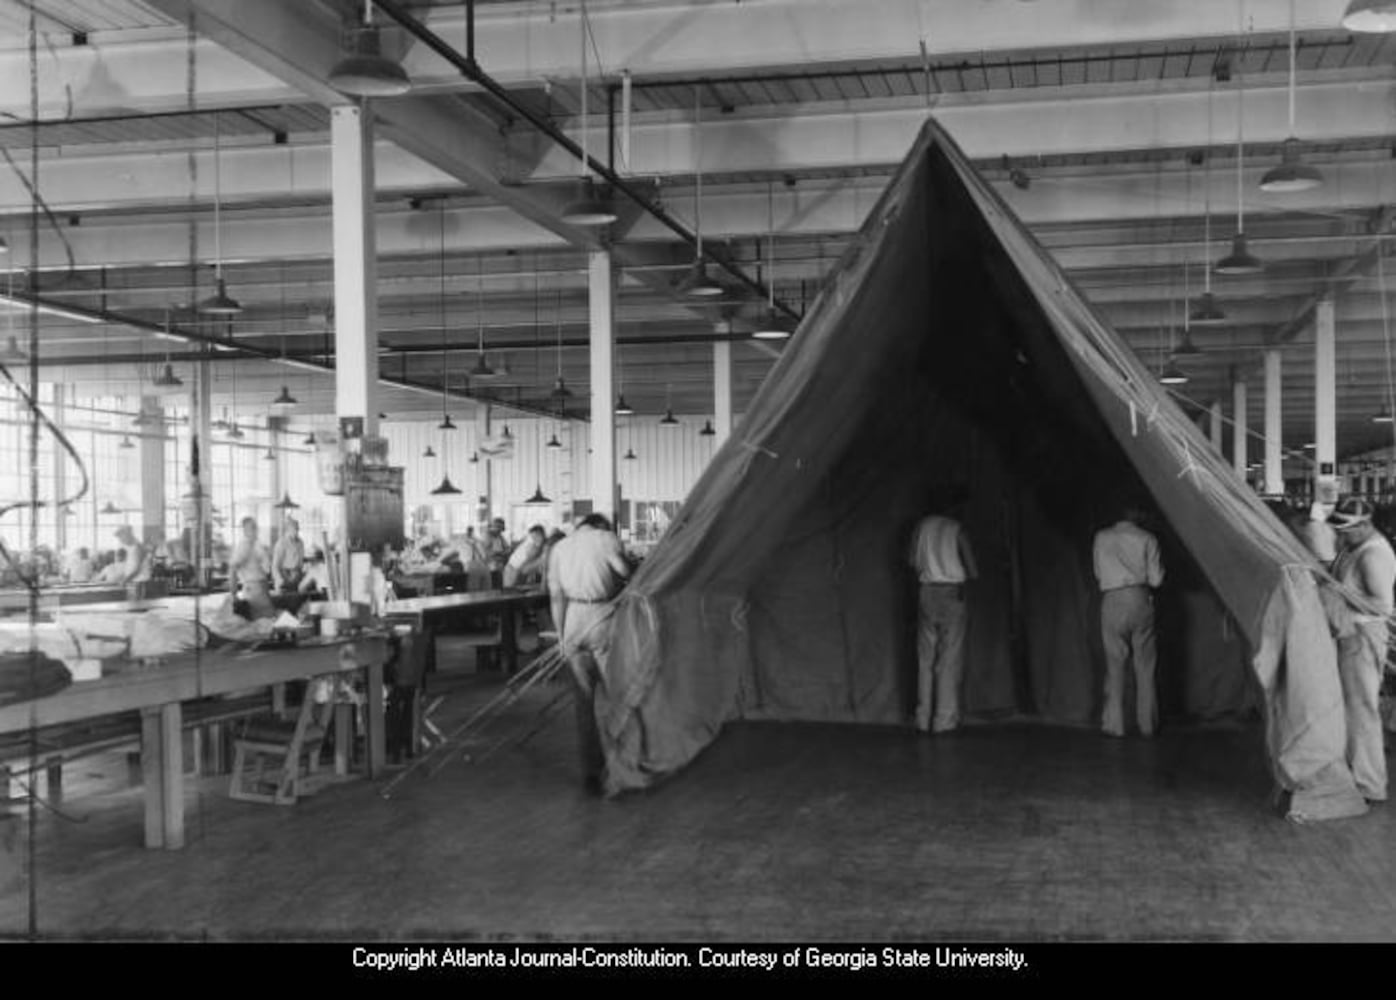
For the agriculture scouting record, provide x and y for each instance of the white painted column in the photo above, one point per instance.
(152, 458)
(602, 290)
(1238, 425)
(1215, 425)
(722, 391)
(1274, 432)
(1325, 403)
(355, 289)
(484, 471)
(60, 472)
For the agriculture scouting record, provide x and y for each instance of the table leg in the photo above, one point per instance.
(377, 744)
(343, 735)
(510, 640)
(172, 774)
(151, 749)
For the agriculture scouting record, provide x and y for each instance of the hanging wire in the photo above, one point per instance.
(698, 170)
(1386, 336)
(1207, 192)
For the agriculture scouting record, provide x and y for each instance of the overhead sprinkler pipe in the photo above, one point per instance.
(470, 69)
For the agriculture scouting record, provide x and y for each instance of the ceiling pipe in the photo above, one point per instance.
(258, 353)
(469, 67)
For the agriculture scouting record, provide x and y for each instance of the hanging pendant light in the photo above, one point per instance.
(560, 391)
(1172, 374)
(1207, 312)
(508, 434)
(447, 488)
(474, 458)
(285, 401)
(773, 325)
(126, 443)
(553, 442)
(538, 496)
(366, 72)
(235, 432)
(1292, 174)
(668, 420)
(310, 440)
(630, 455)
(622, 407)
(286, 503)
(696, 283)
(270, 456)
(1374, 16)
(446, 423)
(220, 303)
(1240, 260)
(589, 209)
(707, 430)
(428, 453)
(1186, 348)
(109, 508)
(142, 419)
(482, 369)
(1383, 416)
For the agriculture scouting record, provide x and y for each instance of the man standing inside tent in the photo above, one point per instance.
(944, 562)
(1128, 569)
(1367, 565)
(585, 571)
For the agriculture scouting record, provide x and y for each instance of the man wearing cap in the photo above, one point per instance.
(1128, 570)
(585, 571)
(1366, 565)
(944, 562)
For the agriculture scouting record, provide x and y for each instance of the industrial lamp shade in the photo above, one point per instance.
(630, 455)
(1292, 173)
(1207, 312)
(447, 488)
(1370, 16)
(109, 508)
(773, 326)
(669, 420)
(366, 72)
(696, 283)
(310, 439)
(1383, 416)
(270, 456)
(1240, 260)
(589, 209)
(538, 496)
(560, 390)
(167, 381)
(1186, 348)
(446, 423)
(553, 442)
(285, 401)
(220, 303)
(1173, 375)
(707, 430)
(429, 453)
(623, 408)
(286, 503)
(482, 368)
(126, 442)
(235, 432)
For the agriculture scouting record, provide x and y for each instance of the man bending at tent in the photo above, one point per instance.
(1367, 565)
(1128, 569)
(585, 571)
(944, 562)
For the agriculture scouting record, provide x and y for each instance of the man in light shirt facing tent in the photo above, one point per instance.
(1128, 570)
(944, 563)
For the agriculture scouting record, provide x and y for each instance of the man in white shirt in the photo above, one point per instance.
(586, 570)
(944, 562)
(79, 568)
(1128, 570)
(250, 568)
(526, 562)
(288, 557)
(1367, 565)
(136, 567)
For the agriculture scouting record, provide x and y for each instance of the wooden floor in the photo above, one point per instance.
(779, 832)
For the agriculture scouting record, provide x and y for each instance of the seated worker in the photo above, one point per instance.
(79, 568)
(288, 558)
(527, 561)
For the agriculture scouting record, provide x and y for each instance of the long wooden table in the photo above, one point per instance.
(159, 692)
(432, 612)
(16, 602)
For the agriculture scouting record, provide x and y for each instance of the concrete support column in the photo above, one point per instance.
(152, 457)
(355, 289)
(1214, 424)
(1238, 425)
(602, 291)
(1274, 433)
(1325, 403)
(484, 469)
(722, 391)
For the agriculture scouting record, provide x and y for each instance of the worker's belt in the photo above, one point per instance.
(588, 600)
(951, 588)
(1128, 586)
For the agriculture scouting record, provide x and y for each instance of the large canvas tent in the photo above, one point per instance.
(948, 348)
